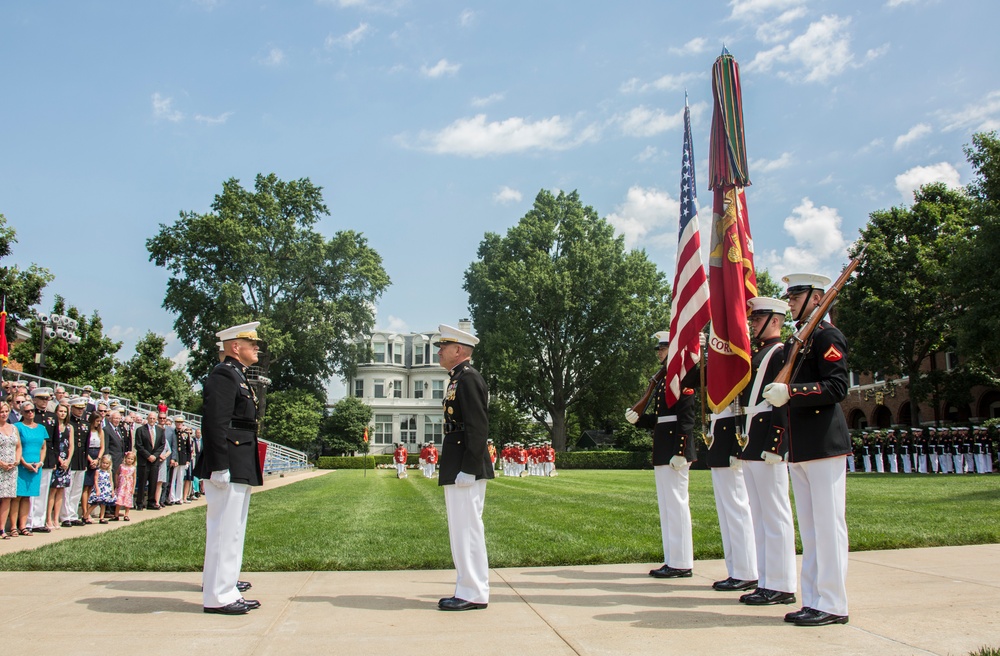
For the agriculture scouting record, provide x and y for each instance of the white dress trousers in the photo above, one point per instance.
(225, 529)
(71, 497)
(773, 526)
(36, 516)
(177, 484)
(675, 515)
(820, 488)
(735, 523)
(464, 507)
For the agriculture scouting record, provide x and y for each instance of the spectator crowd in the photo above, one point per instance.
(66, 461)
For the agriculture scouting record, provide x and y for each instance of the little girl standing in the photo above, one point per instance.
(103, 492)
(126, 484)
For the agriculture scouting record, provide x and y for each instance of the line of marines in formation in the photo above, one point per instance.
(931, 450)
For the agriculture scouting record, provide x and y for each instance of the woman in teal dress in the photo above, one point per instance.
(29, 471)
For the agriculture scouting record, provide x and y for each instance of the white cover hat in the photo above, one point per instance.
(452, 335)
(242, 331)
(800, 282)
(767, 304)
(662, 338)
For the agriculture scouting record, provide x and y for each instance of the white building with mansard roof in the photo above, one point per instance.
(404, 385)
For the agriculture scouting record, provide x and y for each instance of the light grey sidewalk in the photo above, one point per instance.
(916, 601)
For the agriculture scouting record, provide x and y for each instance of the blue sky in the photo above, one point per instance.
(431, 123)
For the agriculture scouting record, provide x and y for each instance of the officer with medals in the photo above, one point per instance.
(230, 465)
(673, 453)
(818, 442)
(464, 468)
(765, 469)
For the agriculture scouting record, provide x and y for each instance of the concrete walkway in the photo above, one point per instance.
(915, 601)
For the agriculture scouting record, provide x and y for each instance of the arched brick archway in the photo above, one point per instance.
(956, 412)
(882, 417)
(903, 416)
(857, 419)
(989, 405)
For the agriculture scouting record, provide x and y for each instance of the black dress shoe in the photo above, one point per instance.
(252, 604)
(444, 599)
(820, 618)
(243, 586)
(732, 585)
(77, 522)
(667, 572)
(43, 529)
(764, 597)
(235, 608)
(459, 604)
(67, 524)
(791, 617)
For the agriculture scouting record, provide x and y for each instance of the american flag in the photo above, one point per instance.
(689, 311)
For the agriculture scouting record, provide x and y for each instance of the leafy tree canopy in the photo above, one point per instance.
(343, 430)
(21, 289)
(149, 376)
(564, 312)
(293, 418)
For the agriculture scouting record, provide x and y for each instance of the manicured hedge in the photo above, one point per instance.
(359, 462)
(604, 460)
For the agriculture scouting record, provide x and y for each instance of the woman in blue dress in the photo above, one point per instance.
(29, 471)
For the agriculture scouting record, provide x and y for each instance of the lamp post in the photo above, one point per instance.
(56, 326)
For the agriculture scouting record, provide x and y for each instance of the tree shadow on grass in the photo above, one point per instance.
(139, 605)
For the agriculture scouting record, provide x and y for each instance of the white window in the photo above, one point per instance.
(434, 356)
(854, 379)
(418, 389)
(878, 377)
(359, 388)
(408, 429)
(433, 429)
(950, 360)
(379, 388)
(379, 348)
(437, 389)
(397, 353)
(383, 429)
(397, 389)
(418, 352)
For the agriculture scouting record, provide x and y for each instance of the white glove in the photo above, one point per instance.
(631, 416)
(220, 479)
(771, 458)
(735, 463)
(465, 480)
(678, 462)
(776, 394)
(702, 340)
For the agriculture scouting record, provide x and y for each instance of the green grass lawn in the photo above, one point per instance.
(344, 521)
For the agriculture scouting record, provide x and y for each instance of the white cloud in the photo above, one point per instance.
(909, 181)
(750, 9)
(349, 40)
(274, 57)
(981, 116)
(443, 67)
(397, 325)
(506, 195)
(779, 29)
(899, 3)
(213, 120)
(117, 332)
(467, 18)
(650, 154)
(817, 235)
(475, 137)
(665, 83)
(769, 165)
(821, 52)
(874, 144)
(483, 101)
(644, 215)
(163, 109)
(695, 46)
(918, 131)
(645, 122)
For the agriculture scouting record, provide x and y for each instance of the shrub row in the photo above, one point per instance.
(360, 462)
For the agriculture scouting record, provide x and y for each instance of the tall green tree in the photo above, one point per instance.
(564, 311)
(149, 376)
(256, 256)
(901, 308)
(21, 289)
(90, 362)
(342, 431)
(293, 418)
(976, 276)
(507, 423)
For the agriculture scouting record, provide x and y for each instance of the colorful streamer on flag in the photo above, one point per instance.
(732, 278)
(689, 310)
(4, 349)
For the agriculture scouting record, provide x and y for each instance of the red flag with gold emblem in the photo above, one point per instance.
(365, 435)
(732, 279)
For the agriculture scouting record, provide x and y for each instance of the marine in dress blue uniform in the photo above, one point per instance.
(818, 442)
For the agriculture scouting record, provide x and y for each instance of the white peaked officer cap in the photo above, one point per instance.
(451, 335)
(662, 338)
(765, 304)
(802, 282)
(242, 331)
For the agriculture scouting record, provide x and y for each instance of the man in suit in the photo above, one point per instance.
(673, 453)
(818, 442)
(230, 465)
(114, 446)
(464, 469)
(163, 485)
(149, 445)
